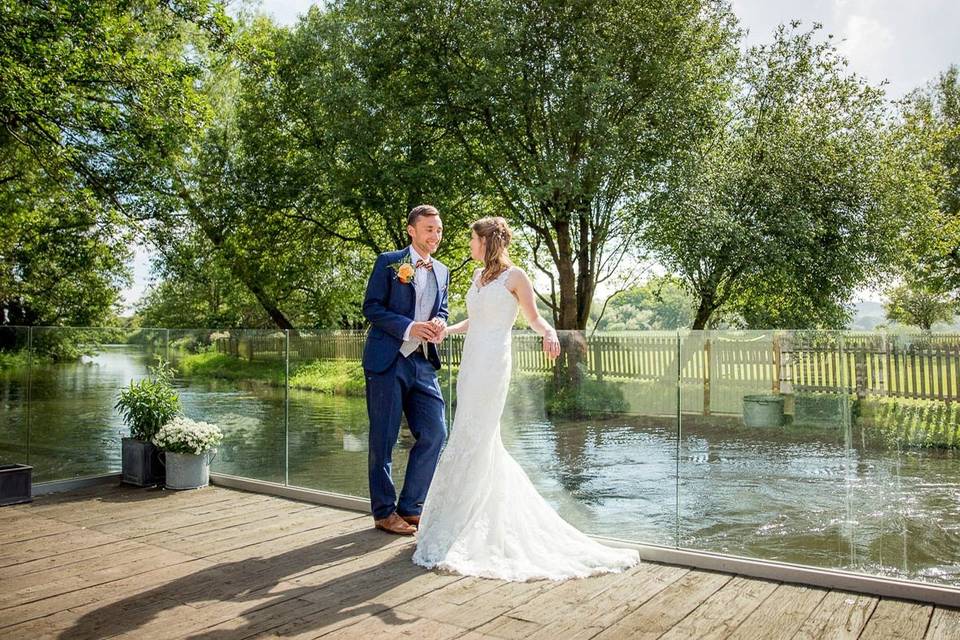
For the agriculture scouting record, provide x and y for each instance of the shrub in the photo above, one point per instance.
(148, 404)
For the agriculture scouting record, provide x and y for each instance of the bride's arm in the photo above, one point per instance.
(519, 284)
(460, 327)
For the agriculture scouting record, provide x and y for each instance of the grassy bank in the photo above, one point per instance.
(20, 360)
(342, 377)
(906, 422)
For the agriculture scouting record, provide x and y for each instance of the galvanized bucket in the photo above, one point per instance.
(187, 470)
(762, 411)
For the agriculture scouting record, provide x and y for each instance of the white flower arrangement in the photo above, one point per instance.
(183, 435)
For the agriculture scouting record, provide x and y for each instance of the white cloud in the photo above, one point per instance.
(866, 43)
(907, 44)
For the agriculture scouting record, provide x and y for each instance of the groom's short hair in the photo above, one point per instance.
(421, 210)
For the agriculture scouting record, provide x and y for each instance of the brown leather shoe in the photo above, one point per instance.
(395, 524)
(414, 520)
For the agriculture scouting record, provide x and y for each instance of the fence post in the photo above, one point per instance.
(777, 362)
(860, 373)
(597, 349)
(785, 372)
(707, 365)
(286, 407)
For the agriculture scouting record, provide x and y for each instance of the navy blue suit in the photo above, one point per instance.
(396, 384)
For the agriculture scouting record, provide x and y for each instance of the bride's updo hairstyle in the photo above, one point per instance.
(496, 235)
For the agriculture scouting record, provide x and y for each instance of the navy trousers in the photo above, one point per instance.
(410, 387)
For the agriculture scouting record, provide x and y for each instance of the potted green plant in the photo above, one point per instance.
(146, 405)
(188, 448)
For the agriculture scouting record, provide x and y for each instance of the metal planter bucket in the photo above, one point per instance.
(187, 470)
(763, 410)
(140, 463)
(16, 484)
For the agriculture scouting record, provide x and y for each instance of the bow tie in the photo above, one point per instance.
(425, 264)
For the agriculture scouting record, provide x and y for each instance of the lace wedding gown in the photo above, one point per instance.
(483, 516)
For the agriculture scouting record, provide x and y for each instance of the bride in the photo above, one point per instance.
(482, 515)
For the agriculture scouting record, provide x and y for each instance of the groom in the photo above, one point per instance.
(406, 304)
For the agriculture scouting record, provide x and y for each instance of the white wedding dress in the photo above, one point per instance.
(482, 515)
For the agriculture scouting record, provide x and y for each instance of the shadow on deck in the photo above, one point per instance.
(217, 563)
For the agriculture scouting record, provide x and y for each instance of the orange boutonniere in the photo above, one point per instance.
(404, 270)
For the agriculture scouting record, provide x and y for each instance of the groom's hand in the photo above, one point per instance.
(425, 331)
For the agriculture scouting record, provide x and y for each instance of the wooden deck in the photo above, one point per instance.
(217, 563)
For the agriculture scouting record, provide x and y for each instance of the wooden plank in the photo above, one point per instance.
(272, 607)
(541, 610)
(924, 386)
(64, 559)
(913, 372)
(17, 552)
(659, 614)
(839, 616)
(944, 624)
(723, 611)
(956, 370)
(950, 391)
(390, 624)
(127, 587)
(936, 363)
(31, 528)
(898, 619)
(483, 606)
(584, 620)
(781, 615)
(63, 582)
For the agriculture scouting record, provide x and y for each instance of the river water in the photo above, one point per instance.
(809, 496)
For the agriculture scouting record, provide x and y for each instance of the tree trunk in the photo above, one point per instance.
(704, 311)
(278, 317)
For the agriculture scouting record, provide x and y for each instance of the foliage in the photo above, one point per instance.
(198, 291)
(183, 435)
(935, 111)
(590, 397)
(93, 96)
(149, 403)
(800, 196)
(564, 110)
(660, 303)
(913, 303)
(18, 360)
(237, 246)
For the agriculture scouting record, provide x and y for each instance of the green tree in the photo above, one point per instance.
(567, 108)
(660, 303)
(912, 303)
(317, 150)
(935, 110)
(800, 196)
(219, 223)
(61, 255)
(92, 97)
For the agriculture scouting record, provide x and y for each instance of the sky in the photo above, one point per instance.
(904, 44)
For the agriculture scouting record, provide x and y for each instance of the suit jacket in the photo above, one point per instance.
(390, 305)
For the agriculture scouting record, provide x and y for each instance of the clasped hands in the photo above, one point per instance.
(431, 330)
